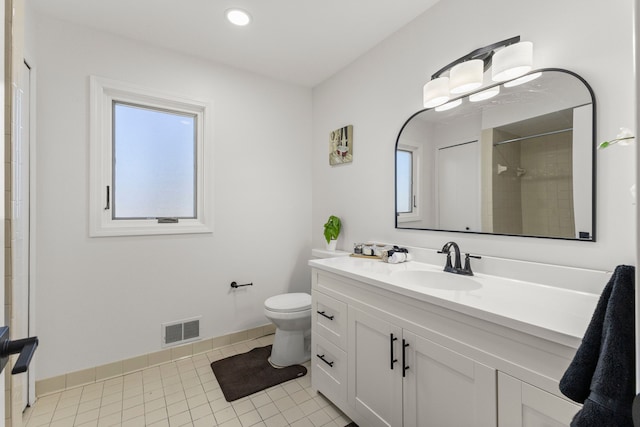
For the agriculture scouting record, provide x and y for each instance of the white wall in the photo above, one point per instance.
(380, 90)
(100, 300)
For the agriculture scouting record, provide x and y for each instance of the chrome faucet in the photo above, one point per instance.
(457, 268)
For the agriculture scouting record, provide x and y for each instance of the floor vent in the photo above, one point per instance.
(180, 331)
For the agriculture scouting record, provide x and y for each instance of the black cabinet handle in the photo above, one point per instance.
(391, 340)
(322, 313)
(321, 357)
(404, 358)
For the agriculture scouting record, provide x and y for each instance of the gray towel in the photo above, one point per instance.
(602, 373)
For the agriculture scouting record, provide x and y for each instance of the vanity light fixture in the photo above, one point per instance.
(436, 92)
(238, 17)
(522, 80)
(512, 61)
(449, 105)
(466, 76)
(485, 94)
(511, 58)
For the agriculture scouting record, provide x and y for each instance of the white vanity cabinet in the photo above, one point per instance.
(398, 378)
(390, 360)
(523, 405)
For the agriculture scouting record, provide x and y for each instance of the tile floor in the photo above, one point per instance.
(185, 393)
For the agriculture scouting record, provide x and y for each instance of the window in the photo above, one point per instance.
(407, 168)
(147, 162)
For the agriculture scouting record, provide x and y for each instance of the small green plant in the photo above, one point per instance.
(332, 228)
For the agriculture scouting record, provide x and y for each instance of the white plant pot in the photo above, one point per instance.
(331, 246)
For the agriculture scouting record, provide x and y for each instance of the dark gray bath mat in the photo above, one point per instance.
(352, 425)
(248, 373)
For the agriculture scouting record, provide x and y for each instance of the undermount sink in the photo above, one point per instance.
(436, 280)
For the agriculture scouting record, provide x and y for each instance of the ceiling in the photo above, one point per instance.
(298, 41)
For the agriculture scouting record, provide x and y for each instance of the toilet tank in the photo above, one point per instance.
(323, 253)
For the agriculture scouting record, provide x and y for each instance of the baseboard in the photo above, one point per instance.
(123, 367)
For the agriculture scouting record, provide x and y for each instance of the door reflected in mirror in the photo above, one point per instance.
(519, 163)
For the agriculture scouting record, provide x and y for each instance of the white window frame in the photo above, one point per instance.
(416, 157)
(103, 92)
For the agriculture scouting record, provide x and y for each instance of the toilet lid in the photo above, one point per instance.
(289, 302)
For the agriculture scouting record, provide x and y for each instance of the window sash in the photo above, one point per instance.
(115, 168)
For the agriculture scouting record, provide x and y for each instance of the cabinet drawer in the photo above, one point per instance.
(328, 369)
(329, 319)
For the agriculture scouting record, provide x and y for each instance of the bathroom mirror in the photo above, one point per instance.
(519, 163)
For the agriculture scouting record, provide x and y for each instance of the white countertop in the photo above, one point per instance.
(557, 314)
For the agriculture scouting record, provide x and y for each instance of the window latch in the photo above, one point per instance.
(107, 207)
(167, 220)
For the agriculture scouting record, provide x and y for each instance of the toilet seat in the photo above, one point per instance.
(288, 303)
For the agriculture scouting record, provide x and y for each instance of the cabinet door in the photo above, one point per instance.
(443, 388)
(374, 388)
(523, 405)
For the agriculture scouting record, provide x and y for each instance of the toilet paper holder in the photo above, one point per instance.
(234, 285)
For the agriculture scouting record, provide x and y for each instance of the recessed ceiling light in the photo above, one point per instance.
(238, 17)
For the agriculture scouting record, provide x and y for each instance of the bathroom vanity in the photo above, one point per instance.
(410, 345)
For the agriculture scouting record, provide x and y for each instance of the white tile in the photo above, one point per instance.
(276, 393)
(88, 406)
(134, 412)
(88, 416)
(201, 412)
(67, 412)
(196, 401)
(268, 411)
(219, 404)
(207, 421)
(224, 415)
(110, 420)
(293, 414)
(309, 407)
(242, 407)
(132, 401)
(319, 418)
(64, 422)
(260, 399)
(291, 387)
(300, 396)
(302, 423)
(276, 421)
(180, 419)
(177, 408)
(154, 405)
(156, 416)
(284, 403)
(134, 422)
(231, 423)
(249, 418)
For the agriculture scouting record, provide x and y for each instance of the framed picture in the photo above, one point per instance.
(341, 145)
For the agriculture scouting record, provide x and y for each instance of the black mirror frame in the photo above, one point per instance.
(593, 164)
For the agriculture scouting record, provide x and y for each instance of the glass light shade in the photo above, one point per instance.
(238, 17)
(485, 94)
(466, 76)
(522, 80)
(449, 106)
(512, 61)
(436, 92)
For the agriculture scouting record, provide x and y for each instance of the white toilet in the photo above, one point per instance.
(291, 313)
